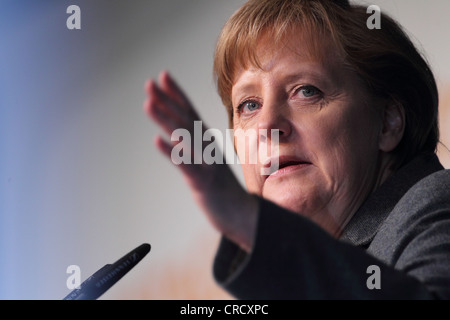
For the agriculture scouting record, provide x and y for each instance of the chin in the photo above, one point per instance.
(293, 201)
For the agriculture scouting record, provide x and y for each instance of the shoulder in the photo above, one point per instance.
(431, 189)
(423, 213)
(428, 196)
(428, 201)
(415, 237)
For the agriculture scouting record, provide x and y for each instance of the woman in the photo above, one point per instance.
(359, 188)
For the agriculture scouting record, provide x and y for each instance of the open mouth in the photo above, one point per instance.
(286, 166)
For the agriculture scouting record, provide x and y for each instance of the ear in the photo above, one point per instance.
(393, 126)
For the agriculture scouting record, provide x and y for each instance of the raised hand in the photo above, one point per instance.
(228, 206)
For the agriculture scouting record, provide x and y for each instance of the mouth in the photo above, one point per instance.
(286, 165)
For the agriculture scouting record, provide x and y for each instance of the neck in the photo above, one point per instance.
(384, 170)
(386, 163)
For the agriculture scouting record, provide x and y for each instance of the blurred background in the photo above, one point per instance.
(80, 180)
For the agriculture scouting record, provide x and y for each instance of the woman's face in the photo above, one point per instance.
(329, 126)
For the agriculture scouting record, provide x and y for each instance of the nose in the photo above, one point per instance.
(274, 116)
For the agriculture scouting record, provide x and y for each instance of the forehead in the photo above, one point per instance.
(295, 46)
(297, 52)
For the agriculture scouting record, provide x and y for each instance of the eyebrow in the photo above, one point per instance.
(289, 78)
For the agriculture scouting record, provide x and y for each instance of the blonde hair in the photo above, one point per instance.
(385, 59)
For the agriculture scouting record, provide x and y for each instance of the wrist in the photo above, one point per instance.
(242, 223)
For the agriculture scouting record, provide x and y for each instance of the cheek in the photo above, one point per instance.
(344, 144)
(247, 151)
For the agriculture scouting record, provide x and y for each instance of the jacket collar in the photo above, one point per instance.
(365, 223)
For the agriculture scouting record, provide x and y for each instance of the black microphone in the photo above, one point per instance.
(108, 275)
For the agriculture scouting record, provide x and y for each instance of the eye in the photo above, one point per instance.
(308, 91)
(248, 106)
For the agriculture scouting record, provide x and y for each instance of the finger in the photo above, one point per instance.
(166, 107)
(171, 88)
(170, 106)
(191, 172)
(163, 146)
(165, 121)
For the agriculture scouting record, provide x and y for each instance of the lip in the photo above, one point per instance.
(287, 165)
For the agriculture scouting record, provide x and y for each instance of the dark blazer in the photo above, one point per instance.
(403, 228)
